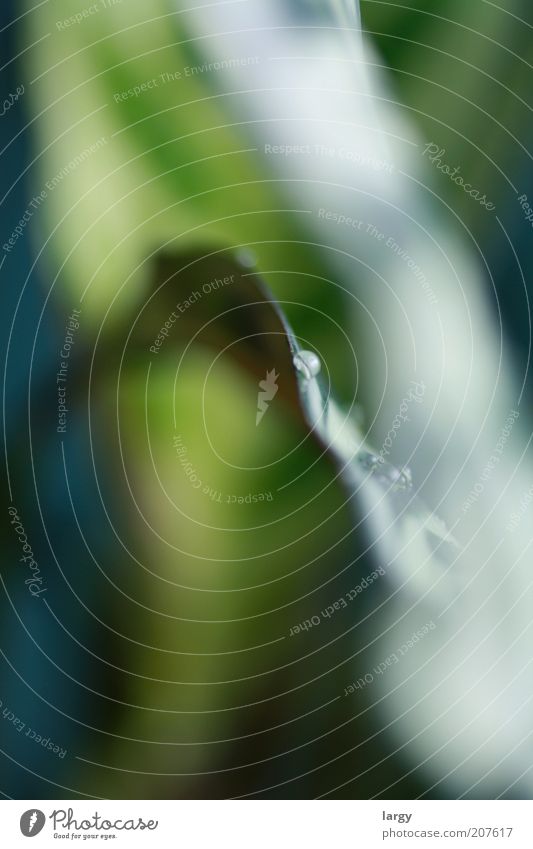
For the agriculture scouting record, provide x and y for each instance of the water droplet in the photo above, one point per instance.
(400, 478)
(369, 461)
(308, 363)
(385, 472)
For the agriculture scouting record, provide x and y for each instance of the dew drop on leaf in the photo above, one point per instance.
(307, 363)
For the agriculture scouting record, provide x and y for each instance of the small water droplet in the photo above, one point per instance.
(385, 472)
(400, 478)
(407, 477)
(370, 461)
(308, 363)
